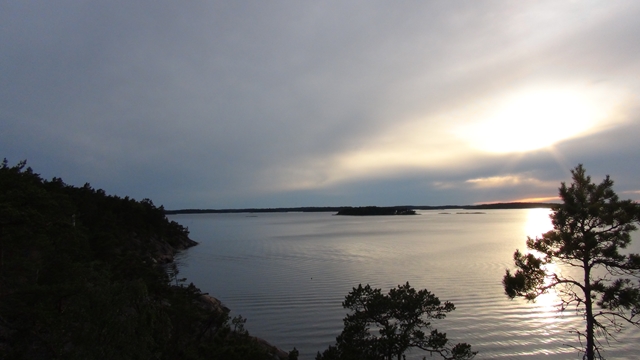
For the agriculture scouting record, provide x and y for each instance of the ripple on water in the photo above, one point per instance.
(288, 274)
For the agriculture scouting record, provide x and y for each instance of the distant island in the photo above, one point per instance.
(337, 209)
(375, 211)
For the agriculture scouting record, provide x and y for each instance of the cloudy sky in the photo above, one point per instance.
(221, 104)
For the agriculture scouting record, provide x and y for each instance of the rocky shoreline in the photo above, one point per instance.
(86, 275)
(165, 254)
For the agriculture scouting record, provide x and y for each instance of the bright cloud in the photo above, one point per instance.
(539, 117)
(539, 199)
(525, 121)
(506, 181)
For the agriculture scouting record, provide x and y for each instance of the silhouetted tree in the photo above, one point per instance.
(589, 229)
(81, 277)
(386, 326)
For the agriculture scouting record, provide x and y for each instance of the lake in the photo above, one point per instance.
(288, 273)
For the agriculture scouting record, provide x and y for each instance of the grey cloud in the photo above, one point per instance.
(191, 103)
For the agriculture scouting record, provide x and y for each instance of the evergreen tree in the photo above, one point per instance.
(82, 277)
(385, 326)
(589, 229)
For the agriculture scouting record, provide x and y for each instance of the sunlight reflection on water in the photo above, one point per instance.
(538, 222)
(288, 274)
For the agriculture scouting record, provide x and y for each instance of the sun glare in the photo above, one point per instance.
(538, 222)
(534, 120)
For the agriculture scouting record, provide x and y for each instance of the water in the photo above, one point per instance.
(288, 273)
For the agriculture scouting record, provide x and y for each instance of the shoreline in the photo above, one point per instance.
(210, 303)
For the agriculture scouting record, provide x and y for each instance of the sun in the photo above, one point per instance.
(532, 120)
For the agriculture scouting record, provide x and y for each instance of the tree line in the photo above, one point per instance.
(83, 276)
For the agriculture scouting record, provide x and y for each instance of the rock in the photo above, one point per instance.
(216, 306)
(163, 252)
(277, 352)
(164, 255)
(210, 303)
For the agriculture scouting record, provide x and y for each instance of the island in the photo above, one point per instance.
(375, 211)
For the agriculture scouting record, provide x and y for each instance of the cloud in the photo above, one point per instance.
(501, 181)
(539, 199)
(217, 104)
(634, 194)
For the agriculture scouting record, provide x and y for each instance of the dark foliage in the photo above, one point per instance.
(81, 277)
(589, 230)
(386, 326)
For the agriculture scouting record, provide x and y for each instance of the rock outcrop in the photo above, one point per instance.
(213, 305)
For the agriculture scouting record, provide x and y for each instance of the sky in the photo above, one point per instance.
(237, 104)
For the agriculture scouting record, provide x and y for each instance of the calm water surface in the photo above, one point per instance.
(288, 274)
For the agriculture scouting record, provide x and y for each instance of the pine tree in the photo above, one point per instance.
(589, 230)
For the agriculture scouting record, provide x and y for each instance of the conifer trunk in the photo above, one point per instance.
(588, 304)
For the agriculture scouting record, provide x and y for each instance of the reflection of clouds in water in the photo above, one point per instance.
(538, 222)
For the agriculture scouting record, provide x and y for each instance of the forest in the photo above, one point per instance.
(86, 275)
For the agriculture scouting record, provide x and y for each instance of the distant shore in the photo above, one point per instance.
(495, 206)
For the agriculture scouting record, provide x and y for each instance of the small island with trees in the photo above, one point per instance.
(375, 211)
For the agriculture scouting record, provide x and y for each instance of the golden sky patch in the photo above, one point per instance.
(538, 117)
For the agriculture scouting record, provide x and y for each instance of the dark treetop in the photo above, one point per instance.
(83, 276)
